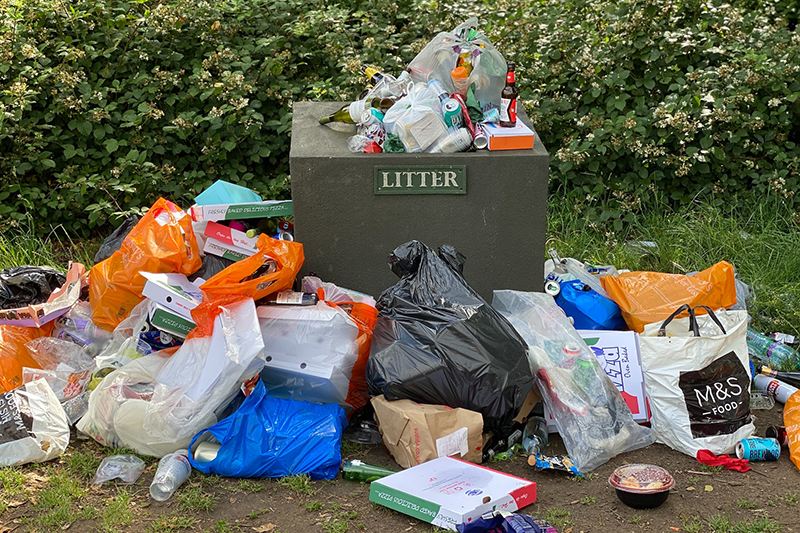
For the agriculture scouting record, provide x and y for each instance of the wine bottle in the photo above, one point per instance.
(351, 113)
(792, 378)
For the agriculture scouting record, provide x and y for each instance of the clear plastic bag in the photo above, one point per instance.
(77, 326)
(64, 364)
(125, 344)
(589, 411)
(76, 407)
(127, 468)
(442, 54)
(416, 119)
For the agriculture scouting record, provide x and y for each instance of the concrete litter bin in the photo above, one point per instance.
(351, 210)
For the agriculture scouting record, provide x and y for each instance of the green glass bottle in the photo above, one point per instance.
(356, 470)
(351, 113)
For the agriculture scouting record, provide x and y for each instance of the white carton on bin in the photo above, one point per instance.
(446, 492)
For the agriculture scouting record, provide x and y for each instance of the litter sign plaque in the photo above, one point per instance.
(427, 179)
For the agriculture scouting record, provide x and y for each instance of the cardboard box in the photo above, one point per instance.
(266, 209)
(446, 492)
(219, 248)
(172, 291)
(169, 321)
(415, 433)
(520, 137)
(618, 355)
(59, 302)
(232, 237)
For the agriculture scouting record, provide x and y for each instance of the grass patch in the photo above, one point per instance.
(707, 468)
(117, 512)
(57, 504)
(354, 449)
(56, 250)
(12, 487)
(745, 504)
(340, 523)
(723, 524)
(558, 518)
(81, 464)
(248, 485)
(301, 484)
(224, 527)
(313, 506)
(586, 500)
(692, 525)
(791, 499)
(192, 498)
(171, 523)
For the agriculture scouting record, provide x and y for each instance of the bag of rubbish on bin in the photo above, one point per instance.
(154, 404)
(468, 47)
(162, 241)
(113, 242)
(696, 373)
(33, 427)
(590, 413)
(271, 437)
(416, 119)
(13, 355)
(318, 353)
(436, 341)
(63, 364)
(272, 269)
(650, 297)
(28, 285)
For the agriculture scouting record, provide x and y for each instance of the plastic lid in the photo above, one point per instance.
(459, 72)
(641, 479)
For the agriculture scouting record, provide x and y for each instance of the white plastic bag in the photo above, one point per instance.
(416, 119)
(33, 427)
(589, 412)
(155, 405)
(441, 56)
(698, 387)
(125, 345)
(65, 366)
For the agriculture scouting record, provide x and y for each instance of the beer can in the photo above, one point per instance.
(371, 116)
(779, 434)
(481, 141)
(206, 452)
(758, 449)
(452, 114)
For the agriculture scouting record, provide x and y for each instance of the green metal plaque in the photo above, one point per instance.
(421, 179)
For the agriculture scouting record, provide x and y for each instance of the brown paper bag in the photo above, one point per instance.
(415, 433)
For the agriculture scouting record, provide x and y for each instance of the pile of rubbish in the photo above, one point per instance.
(192, 340)
(458, 94)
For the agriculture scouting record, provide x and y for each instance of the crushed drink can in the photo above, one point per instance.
(758, 449)
(779, 434)
(371, 117)
(451, 110)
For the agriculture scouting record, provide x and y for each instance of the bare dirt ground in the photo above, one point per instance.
(59, 496)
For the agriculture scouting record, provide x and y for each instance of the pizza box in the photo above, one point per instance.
(172, 291)
(447, 491)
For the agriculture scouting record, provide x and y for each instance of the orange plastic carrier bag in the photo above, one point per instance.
(162, 241)
(791, 419)
(648, 297)
(271, 269)
(14, 355)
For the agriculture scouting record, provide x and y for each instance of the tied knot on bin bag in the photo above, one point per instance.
(438, 342)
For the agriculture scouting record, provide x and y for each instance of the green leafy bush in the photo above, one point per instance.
(685, 98)
(106, 105)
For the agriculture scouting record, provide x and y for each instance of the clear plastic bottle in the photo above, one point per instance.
(173, 471)
(534, 438)
(772, 353)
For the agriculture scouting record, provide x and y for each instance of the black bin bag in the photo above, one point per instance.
(437, 342)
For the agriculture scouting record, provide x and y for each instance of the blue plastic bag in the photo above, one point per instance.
(502, 522)
(588, 308)
(270, 437)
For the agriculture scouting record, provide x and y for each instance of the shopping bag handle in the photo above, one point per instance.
(662, 331)
(693, 320)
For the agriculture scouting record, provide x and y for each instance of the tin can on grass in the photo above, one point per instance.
(758, 449)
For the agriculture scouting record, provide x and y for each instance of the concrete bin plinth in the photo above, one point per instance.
(351, 210)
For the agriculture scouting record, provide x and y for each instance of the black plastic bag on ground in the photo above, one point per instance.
(28, 285)
(436, 341)
(113, 242)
